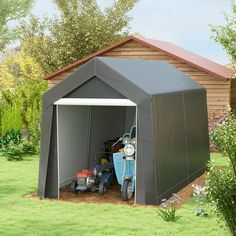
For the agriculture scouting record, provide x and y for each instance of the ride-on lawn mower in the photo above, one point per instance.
(125, 164)
(100, 178)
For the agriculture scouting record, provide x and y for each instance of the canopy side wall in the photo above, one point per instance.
(46, 126)
(196, 132)
(52, 172)
(181, 139)
(170, 142)
(73, 135)
(146, 175)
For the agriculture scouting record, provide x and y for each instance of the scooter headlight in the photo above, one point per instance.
(129, 150)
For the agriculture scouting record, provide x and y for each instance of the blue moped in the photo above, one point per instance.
(125, 164)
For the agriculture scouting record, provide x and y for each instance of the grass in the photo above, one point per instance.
(219, 160)
(21, 216)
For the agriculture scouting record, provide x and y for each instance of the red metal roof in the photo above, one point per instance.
(173, 50)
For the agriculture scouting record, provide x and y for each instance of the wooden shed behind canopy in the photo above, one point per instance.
(216, 78)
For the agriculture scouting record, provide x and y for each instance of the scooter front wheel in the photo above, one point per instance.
(127, 190)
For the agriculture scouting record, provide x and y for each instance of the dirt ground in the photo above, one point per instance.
(113, 195)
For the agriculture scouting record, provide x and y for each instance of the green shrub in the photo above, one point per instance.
(13, 152)
(12, 136)
(14, 146)
(28, 147)
(221, 184)
(224, 137)
(222, 192)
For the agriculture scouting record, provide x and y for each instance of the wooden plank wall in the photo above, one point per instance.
(59, 78)
(218, 90)
(233, 94)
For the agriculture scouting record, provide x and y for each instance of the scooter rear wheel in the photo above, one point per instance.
(126, 190)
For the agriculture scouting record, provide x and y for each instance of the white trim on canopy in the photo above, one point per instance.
(94, 102)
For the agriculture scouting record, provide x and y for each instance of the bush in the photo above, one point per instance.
(28, 147)
(222, 192)
(12, 136)
(13, 152)
(224, 137)
(14, 146)
(214, 121)
(221, 184)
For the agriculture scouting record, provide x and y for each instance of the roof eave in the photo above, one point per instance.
(118, 44)
(182, 59)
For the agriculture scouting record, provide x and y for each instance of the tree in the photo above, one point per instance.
(11, 10)
(226, 35)
(14, 70)
(21, 99)
(80, 29)
(21, 109)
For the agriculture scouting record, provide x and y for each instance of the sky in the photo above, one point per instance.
(183, 22)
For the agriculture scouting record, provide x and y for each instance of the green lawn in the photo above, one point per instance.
(219, 160)
(21, 216)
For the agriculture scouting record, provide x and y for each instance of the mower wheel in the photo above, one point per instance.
(93, 189)
(73, 186)
(126, 190)
(102, 188)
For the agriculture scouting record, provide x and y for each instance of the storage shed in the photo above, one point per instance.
(169, 111)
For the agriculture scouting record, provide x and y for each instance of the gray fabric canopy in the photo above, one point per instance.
(170, 115)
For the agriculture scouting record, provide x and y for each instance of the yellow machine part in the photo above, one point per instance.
(103, 161)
